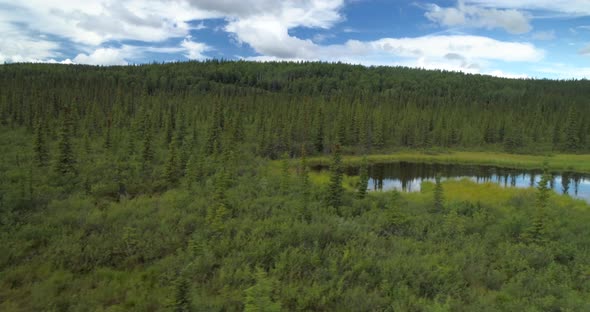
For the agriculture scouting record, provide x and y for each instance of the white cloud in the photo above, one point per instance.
(18, 46)
(563, 71)
(575, 7)
(102, 56)
(469, 54)
(194, 50)
(512, 21)
(264, 25)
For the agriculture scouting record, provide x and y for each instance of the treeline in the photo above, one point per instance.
(277, 107)
(148, 189)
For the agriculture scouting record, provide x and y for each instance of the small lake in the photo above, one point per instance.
(408, 177)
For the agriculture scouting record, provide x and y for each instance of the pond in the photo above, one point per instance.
(408, 177)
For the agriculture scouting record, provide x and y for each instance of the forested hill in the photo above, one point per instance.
(148, 188)
(278, 107)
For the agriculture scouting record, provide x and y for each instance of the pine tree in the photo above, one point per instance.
(218, 212)
(194, 170)
(319, 132)
(378, 139)
(40, 147)
(213, 144)
(259, 296)
(363, 178)
(335, 189)
(536, 233)
(572, 138)
(171, 167)
(147, 152)
(107, 137)
(65, 162)
(438, 195)
(182, 301)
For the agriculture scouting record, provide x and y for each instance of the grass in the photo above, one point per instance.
(558, 162)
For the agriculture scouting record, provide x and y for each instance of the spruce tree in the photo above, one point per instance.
(218, 211)
(147, 152)
(171, 167)
(259, 296)
(378, 138)
(363, 178)
(335, 189)
(40, 147)
(65, 162)
(182, 301)
(536, 233)
(572, 138)
(319, 132)
(438, 194)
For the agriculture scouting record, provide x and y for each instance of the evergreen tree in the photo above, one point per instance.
(335, 189)
(363, 178)
(182, 301)
(438, 195)
(40, 146)
(65, 162)
(147, 152)
(218, 212)
(107, 137)
(536, 233)
(259, 296)
(378, 138)
(171, 167)
(194, 170)
(572, 138)
(318, 141)
(213, 144)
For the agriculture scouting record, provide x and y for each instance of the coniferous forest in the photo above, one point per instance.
(189, 187)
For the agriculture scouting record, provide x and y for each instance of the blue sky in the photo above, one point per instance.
(508, 38)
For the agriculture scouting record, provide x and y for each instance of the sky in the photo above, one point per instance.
(506, 38)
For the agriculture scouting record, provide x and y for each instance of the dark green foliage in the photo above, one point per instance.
(335, 189)
(363, 178)
(172, 165)
(182, 301)
(572, 137)
(40, 147)
(285, 174)
(65, 161)
(438, 195)
(109, 229)
(537, 232)
(259, 296)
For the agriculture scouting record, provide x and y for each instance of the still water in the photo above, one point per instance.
(408, 177)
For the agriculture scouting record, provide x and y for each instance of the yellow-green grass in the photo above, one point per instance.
(558, 162)
(466, 190)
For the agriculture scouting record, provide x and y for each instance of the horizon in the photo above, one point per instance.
(509, 39)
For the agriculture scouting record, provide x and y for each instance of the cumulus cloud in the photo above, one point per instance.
(103, 56)
(510, 20)
(163, 26)
(19, 46)
(194, 50)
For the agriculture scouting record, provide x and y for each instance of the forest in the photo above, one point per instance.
(187, 187)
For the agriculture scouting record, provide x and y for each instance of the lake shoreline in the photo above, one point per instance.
(558, 162)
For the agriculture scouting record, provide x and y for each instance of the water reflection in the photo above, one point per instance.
(408, 177)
